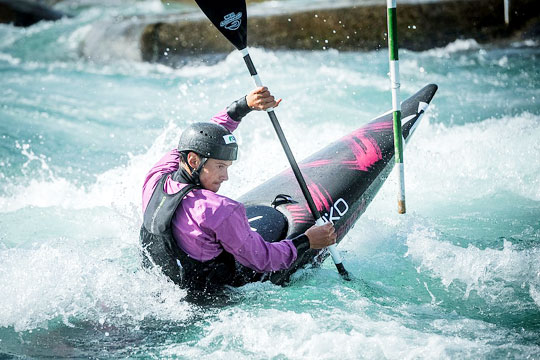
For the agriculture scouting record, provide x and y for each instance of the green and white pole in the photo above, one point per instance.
(507, 12)
(396, 105)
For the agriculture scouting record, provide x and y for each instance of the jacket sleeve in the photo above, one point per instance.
(249, 248)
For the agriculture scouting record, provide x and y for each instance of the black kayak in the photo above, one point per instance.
(343, 178)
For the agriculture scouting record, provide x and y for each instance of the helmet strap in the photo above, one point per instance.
(193, 175)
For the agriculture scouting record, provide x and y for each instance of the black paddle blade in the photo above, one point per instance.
(229, 17)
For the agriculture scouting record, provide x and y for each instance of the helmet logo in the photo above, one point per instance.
(231, 21)
(229, 139)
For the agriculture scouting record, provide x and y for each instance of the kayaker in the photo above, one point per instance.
(202, 240)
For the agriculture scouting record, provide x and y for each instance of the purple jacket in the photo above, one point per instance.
(206, 223)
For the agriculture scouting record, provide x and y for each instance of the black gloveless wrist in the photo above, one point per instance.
(301, 242)
(238, 109)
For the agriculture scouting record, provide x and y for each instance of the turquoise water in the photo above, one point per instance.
(457, 277)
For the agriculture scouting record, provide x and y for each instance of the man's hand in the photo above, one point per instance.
(261, 99)
(321, 236)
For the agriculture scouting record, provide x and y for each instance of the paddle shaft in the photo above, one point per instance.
(396, 105)
(230, 18)
(294, 165)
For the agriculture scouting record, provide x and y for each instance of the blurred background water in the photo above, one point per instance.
(457, 277)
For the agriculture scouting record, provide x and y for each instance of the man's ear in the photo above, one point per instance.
(193, 160)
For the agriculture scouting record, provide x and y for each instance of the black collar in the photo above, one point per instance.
(182, 176)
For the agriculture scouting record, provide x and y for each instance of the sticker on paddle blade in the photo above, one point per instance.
(232, 21)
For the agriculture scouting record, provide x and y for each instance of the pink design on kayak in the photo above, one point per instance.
(300, 214)
(364, 147)
(318, 198)
(316, 163)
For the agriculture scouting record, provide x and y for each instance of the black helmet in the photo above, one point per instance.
(209, 140)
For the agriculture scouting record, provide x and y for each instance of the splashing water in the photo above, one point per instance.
(457, 277)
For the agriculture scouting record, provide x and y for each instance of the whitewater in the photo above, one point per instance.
(458, 276)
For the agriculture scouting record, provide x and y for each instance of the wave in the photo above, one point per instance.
(475, 160)
(486, 271)
(457, 46)
(70, 281)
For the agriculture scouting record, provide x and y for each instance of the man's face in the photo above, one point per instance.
(213, 173)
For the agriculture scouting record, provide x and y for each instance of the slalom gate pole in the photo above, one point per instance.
(396, 105)
(507, 12)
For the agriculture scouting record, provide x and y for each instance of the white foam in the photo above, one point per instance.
(535, 294)
(525, 43)
(454, 47)
(475, 160)
(487, 271)
(327, 334)
(119, 187)
(13, 61)
(69, 280)
(354, 78)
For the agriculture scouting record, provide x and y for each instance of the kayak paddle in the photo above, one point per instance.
(230, 18)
